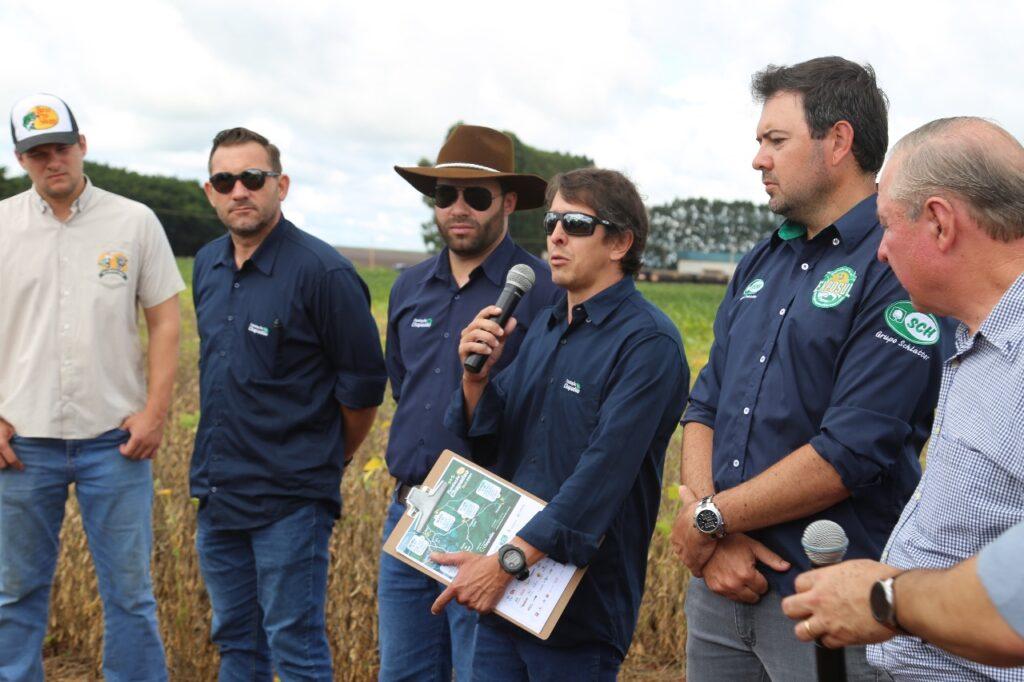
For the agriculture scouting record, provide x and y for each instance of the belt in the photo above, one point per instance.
(402, 491)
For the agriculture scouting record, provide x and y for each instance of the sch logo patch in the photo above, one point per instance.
(40, 118)
(919, 328)
(752, 288)
(834, 287)
(113, 264)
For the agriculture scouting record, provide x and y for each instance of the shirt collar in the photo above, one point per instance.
(495, 267)
(597, 308)
(853, 226)
(1004, 326)
(80, 204)
(265, 256)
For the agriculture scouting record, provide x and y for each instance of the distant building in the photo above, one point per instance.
(708, 266)
(382, 258)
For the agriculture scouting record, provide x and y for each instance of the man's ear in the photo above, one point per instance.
(509, 203)
(942, 221)
(622, 242)
(841, 137)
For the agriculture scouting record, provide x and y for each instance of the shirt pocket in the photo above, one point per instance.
(262, 343)
(573, 411)
(109, 270)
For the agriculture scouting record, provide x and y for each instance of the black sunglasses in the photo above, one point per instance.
(252, 179)
(574, 223)
(477, 198)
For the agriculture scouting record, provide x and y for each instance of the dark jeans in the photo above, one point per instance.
(268, 588)
(506, 655)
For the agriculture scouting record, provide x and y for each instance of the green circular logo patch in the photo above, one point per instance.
(754, 287)
(919, 328)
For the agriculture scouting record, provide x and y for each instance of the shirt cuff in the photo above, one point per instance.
(859, 444)
(697, 412)
(562, 544)
(999, 572)
(358, 392)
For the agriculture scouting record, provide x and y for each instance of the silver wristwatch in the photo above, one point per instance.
(708, 519)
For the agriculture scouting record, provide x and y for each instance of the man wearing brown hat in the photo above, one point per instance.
(475, 189)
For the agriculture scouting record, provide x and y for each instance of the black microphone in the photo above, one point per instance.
(825, 544)
(518, 281)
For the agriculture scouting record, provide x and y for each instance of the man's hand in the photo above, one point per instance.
(147, 430)
(692, 547)
(8, 460)
(732, 569)
(834, 603)
(479, 584)
(484, 336)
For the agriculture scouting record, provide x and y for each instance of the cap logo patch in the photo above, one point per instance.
(834, 287)
(919, 328)
(113, 264)
(40, 118)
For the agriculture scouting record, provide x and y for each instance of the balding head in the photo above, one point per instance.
(967, 158)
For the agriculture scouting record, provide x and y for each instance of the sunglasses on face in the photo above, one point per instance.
(252, 179)
(574, 223)
(477, 198)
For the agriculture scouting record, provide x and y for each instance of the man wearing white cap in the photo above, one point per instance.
(75, 264)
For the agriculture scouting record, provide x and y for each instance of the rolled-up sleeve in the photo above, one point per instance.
(649, 375)
(879, 390)
(351, 339)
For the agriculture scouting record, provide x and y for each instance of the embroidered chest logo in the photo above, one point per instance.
(752, 288)
(572, 386)
(422, 322)
(40, 118)
(113, 264)
(913, 326)
(834, 287)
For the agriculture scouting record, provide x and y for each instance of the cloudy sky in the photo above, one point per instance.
(348, 89)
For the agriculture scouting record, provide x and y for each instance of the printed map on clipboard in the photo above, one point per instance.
(462, 507)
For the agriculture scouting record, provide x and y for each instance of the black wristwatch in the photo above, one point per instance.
(708, 519)
(513, 561)
(883, 603)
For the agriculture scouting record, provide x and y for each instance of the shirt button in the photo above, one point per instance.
(782, 311)
(437, 370)
(456, 297)
(735, 463)
(551, 380)
(231, 318)
(67, 326)
(746, 410)
(213, 489)
(427, 406)
(543, 418)
(236, 285)
(222, 353)
(917, 496)
(835, 242)
(804, 266)
(563, 342)
(763, 358)
(446, 335)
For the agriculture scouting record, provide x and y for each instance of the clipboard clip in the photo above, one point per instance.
(421, 502)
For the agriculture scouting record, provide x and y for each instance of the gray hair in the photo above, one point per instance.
(971, 158)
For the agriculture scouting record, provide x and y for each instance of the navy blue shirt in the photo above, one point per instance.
(581, 418)
(807, 350)
(284, 342)
(427, 312)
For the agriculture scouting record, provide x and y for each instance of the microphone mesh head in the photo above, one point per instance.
(521, 276)
(825, 542)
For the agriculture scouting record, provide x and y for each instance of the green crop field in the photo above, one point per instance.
(73, 645)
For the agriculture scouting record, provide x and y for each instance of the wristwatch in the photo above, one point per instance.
(883, 603)
(708, 519)
(513, 561)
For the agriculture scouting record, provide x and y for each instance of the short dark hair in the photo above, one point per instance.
(236, 136)
(835, 89)
(614, 198)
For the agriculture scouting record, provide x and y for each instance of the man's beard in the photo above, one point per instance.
(487, 233)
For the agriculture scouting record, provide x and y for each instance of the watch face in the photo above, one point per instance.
(880, 607)
(513, 561)
(707, 521)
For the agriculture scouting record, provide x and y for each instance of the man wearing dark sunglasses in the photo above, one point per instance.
(291, 374)
(475, 189)
(581, 418)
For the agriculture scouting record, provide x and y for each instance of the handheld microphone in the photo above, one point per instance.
(519, 280)
(825, 544)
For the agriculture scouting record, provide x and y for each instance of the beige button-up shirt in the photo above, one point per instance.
(71, 363)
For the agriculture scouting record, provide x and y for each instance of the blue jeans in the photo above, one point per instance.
(507, 654)
(728, 640)
(115, 496)
(268, 590)
(414, 644)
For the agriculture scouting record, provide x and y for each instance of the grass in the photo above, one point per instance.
(74, 641)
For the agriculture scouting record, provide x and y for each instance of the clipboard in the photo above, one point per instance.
(463, 507)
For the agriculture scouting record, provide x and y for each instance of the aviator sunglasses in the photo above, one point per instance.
(477, 198)
(574, 223)
(252, 179)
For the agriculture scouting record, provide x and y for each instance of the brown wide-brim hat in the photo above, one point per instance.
(473, 153)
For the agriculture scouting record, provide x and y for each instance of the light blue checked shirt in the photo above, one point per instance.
(972, 489)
